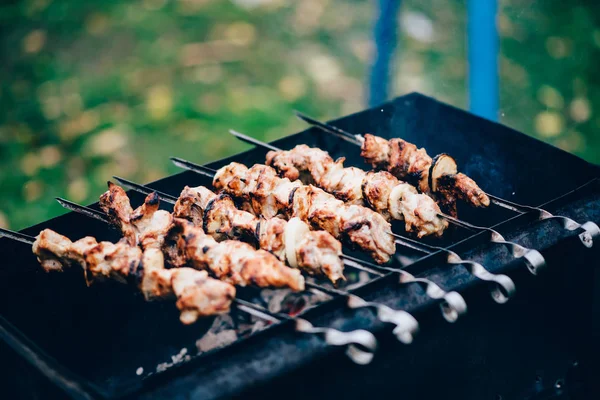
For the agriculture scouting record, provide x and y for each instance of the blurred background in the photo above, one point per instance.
(94, 88)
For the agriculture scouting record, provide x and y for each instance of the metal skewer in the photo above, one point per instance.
(353, 339)
(406, 326)
(503, 288)
(452, 303)
(591, 229)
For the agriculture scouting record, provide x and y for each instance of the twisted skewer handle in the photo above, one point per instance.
(406, 325)
(504, 287)
(361, 344)
(453, 305)
(533, 258)
(591, 229)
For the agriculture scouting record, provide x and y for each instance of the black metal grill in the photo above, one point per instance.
(92, 341)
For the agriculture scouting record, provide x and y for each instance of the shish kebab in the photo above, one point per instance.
(181, 245)
(437, 176)
(229, 260)
(259, 186)
(197, 294)
(264, 193)
(314, 252)
(379, 190)
(403, 159)
(201, 205)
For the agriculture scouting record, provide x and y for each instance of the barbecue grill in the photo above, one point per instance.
(64, 339)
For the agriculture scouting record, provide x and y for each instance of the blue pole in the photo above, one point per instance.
(385, 36)
(483, 44)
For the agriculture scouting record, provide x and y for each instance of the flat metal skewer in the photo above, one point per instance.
(361, 344)
(503, 288)
(591, 229)
(406, 326)
(453, 305)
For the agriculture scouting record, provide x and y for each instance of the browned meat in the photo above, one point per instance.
(197, 294)
(231, 261)
(380, 191)
(364, 228)
(319, 249)
(312, 205)
(467, 190)
(55, 251)
(145, 226)
(405, 161)
(266, 194)
(295, 163)
(222, 220)
(217, 214)
(111, 261)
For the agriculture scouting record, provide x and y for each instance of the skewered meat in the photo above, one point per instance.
(146, 225)
(405, 161)
(197, 294)
(380, 191)
(55, 251)
(230, 260)
(315, 252)
(216, 214)
(363, 227)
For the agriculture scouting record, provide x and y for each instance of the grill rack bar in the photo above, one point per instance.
(406, 326)
(453, 305)
(361, 344)
(590, 229)
(503, 287)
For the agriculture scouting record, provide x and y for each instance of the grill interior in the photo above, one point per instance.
(101, 335)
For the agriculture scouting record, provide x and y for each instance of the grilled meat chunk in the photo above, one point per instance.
(355, 186)
(145, 226)
(55, 251)
(312, 205)
(405, 161)
(232, 261)
(266, 194)
(197, 294)
(222, 220)
(216, 214)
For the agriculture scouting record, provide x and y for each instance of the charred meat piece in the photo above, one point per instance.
(221, 219)
(145, 226)
(380, 191)
(405, 161)
(232, 261)
(312, 205)
(197, 294)
(216, 214)
(263, 191)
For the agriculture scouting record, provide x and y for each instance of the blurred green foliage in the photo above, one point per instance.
(90, 89)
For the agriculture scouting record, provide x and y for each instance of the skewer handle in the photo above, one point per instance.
(453, 305)
(361, 343)
(533, 258)
(406, 325)
(504, 287)
(591, 229)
